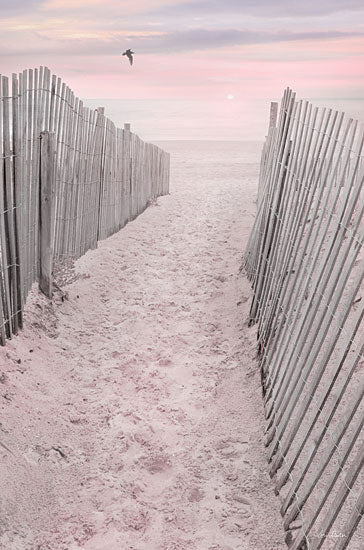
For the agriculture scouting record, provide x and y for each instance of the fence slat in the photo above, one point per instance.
(17, 200)
(6, 328)
(9, 210)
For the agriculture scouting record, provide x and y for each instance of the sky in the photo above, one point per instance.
(205, 69)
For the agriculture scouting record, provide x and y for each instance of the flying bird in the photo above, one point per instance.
(129, 55)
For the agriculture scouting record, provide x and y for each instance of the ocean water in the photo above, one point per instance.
(218, 161)
(189, 119)
(200, 119)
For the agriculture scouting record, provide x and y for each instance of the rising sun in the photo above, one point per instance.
(230, 96)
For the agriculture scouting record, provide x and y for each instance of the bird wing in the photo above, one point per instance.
(129, 55)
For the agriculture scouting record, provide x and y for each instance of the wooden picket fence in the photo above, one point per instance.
(306, 264)
(68, 178)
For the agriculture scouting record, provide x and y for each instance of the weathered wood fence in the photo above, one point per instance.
(306, 264)
(68, 178)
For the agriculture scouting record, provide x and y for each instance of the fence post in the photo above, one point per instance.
(46, 211)
(101, 152)
(129, 172)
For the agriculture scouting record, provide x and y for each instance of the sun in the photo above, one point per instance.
(230, 96)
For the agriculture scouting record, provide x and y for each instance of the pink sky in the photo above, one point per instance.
(194, 61)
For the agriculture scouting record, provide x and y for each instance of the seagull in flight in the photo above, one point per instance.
(129, 55)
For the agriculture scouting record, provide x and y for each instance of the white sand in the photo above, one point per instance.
(133, 409)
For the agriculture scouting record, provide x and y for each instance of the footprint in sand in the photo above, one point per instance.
(156, 464)
(195, 495)
(164, 362)
(131, 518)
(230, 448)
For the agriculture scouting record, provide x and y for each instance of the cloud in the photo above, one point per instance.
(265, 8)
(114, 8)
(202, 39)
(14, 7)
(168, 42)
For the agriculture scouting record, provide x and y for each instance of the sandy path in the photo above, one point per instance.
(133, 409)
